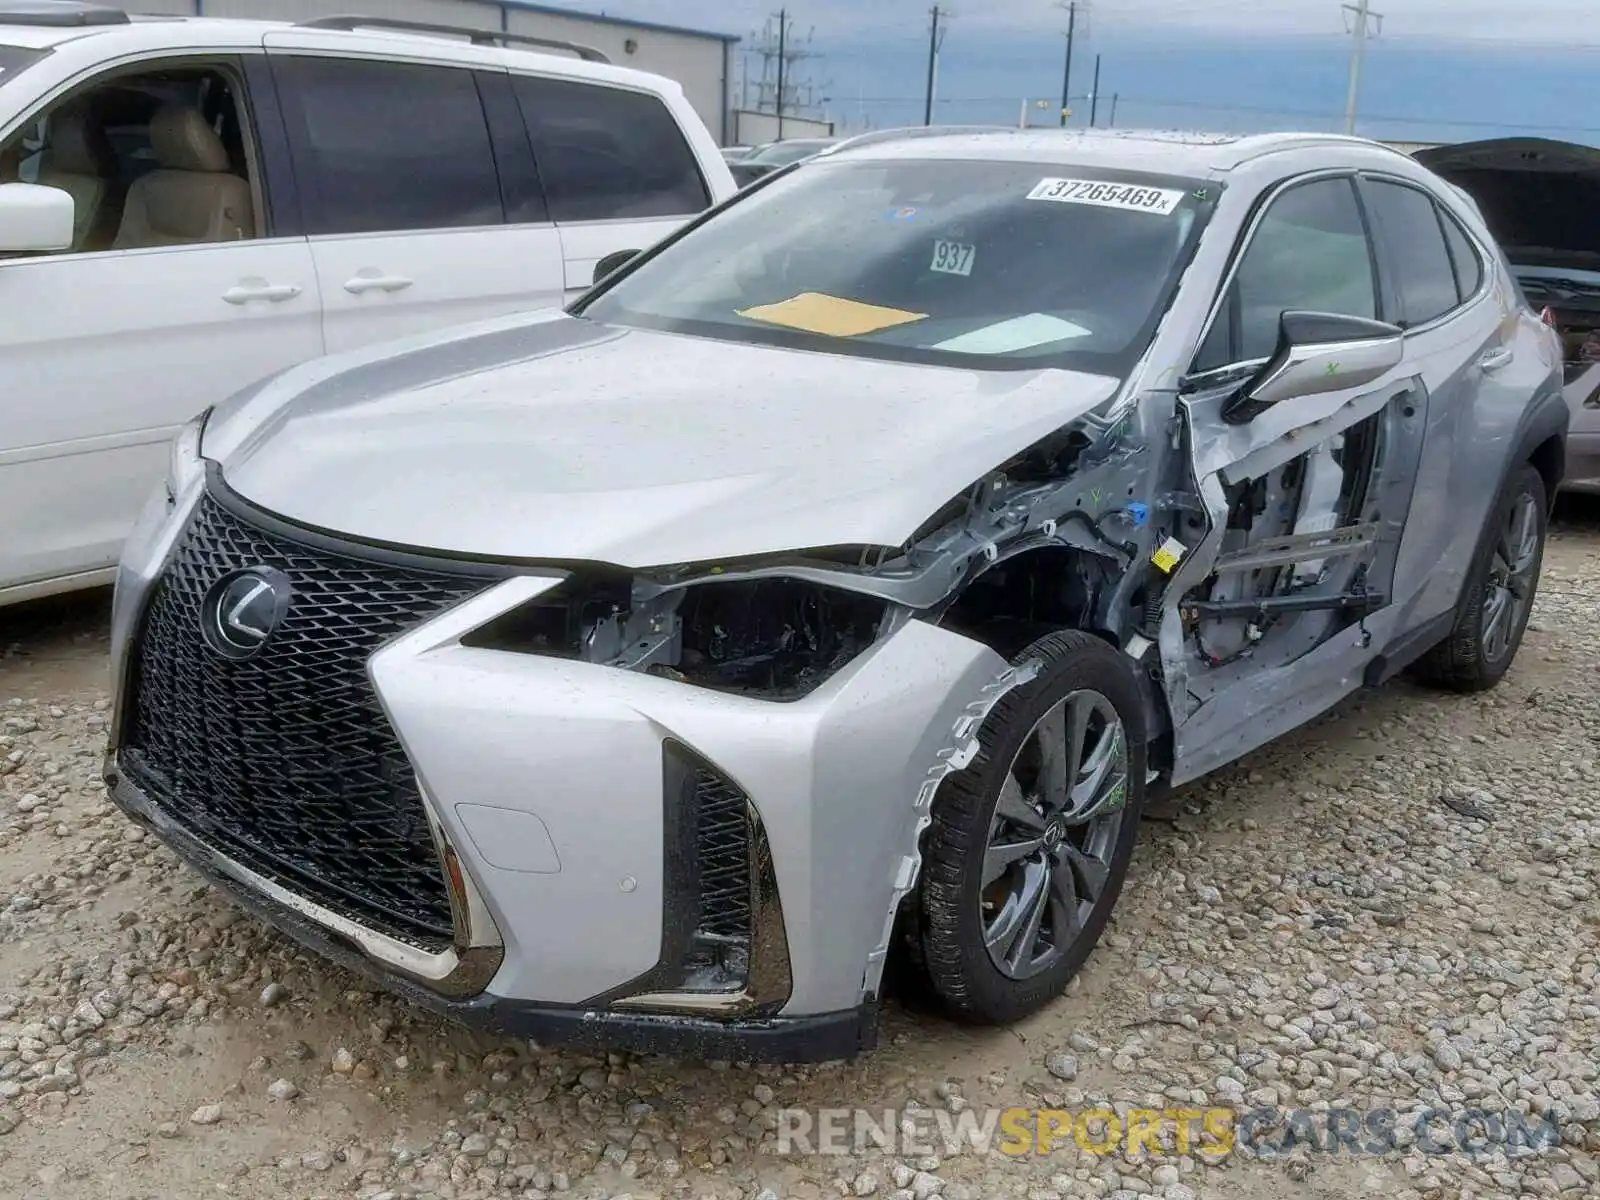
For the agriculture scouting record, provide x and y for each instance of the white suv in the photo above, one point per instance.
(189, 205)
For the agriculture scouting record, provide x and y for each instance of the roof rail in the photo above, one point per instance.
(59, 14)
(478, 37)
(909, 132)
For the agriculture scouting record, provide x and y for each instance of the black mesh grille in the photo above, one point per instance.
(722, 849)
(284, 761)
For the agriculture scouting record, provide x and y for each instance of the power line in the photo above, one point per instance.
(1358, 47)
(1503, 45)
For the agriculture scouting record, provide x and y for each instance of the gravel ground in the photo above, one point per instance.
(1394, 908)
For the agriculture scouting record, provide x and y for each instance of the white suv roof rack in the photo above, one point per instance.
(59, 14)
(478, 37)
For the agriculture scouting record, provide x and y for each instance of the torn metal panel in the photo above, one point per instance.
(1300, 555)
(957, 755)
(1250, 452)
(1308, 549)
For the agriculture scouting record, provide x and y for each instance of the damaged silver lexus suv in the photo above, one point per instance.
(831, 585)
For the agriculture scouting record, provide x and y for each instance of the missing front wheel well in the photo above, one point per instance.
(1018, 600)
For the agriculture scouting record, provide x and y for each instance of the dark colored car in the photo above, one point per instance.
(770, 157)
(1541, 200)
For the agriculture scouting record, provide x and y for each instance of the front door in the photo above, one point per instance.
(171, 299)
(1304, 504)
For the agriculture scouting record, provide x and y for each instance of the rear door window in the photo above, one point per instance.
(605, 153)
(384, 147)
(1413, 238)
(1463, 256)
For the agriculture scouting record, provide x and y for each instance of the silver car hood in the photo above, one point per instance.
(549, 437)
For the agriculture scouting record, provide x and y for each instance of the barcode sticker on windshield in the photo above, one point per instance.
(1162, 201)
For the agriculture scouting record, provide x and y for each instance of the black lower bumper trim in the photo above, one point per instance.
(825, 1037)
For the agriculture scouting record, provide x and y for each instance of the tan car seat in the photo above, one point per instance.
(79, 160)
(191, 197)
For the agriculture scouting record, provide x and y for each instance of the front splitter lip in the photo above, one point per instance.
(824, 1037)
(452, 973)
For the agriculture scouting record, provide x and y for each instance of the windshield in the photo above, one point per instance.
(13, 59)
(1004, 264)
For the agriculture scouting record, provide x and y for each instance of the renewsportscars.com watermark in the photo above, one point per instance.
(1213, 1133)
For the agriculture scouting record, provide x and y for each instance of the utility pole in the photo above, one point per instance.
(1358, 32)
(1094, 96)
(782, 46)
(933, 65)
(1111, 124)
(783, 60)
(1066, 70)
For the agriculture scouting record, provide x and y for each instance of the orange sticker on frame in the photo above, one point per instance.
(831, 316)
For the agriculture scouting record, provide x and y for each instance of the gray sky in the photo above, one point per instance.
(1439, 69)
(1484, 23)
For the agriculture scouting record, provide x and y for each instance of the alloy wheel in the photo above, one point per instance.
(1047, 862)
(1509, 591)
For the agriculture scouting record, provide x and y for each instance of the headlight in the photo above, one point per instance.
(779, 638)
(770, 638)
(184, 468)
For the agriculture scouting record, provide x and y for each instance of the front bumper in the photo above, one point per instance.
(542, 780)
(1582, 467)
(817, 1038)
(1583, 457)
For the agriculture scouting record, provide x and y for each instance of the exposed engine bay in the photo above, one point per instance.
(1058, 536)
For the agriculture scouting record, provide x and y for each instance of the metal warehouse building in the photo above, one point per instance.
(698, 60)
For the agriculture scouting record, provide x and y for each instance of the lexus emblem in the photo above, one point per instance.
(242, 609)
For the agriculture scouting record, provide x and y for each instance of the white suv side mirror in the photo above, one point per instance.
(35, 219)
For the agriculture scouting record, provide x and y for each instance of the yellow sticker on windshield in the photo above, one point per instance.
(831, 316)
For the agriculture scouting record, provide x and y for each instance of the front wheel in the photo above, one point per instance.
(1028, 846)
(1499, 592)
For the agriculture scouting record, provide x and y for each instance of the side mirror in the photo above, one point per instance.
(1318, 353)
(608, 264)
(35, 219)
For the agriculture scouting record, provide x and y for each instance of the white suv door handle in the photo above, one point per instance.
(1493, 360)
(376, 283)
(277, 293)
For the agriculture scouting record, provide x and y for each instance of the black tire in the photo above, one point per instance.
(1465, 661)
(946, 922)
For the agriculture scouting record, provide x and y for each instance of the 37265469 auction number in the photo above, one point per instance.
(1162, 201)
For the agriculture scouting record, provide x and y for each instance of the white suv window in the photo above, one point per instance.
(151, 158)
(382, 147)
(605, 153)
